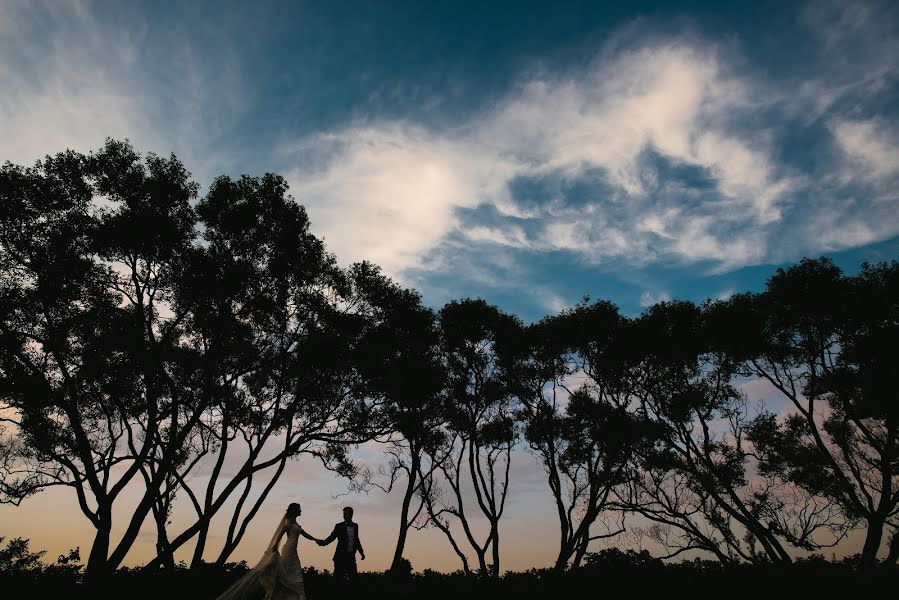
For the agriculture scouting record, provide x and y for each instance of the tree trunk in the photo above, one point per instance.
(163, 547)
(201, 545)
(893, 556)
(396, 565)
(566, 550)
(773, 548)
(98, 559)
(134, 525)
(873, 538)
(580, 550)
(494, 536)
(482, 562)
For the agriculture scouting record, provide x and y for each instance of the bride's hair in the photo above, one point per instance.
(293, 509)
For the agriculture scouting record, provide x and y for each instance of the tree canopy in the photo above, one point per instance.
(145, 330)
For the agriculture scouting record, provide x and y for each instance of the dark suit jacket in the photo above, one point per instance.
(340, 535)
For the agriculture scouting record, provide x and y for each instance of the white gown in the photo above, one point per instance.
(288, 584)
(278, 576)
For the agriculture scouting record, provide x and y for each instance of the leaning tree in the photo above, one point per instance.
(698, 483)
(827, 344)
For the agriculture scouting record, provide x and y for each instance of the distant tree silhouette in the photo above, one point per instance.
(696, 480)
(586, 437)
(827, 343)
(480, 429)
(399, 358)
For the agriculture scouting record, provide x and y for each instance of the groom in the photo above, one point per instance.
(347, 535)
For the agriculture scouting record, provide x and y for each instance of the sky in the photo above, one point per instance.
(529, 153)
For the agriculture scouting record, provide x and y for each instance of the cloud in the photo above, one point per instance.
(725, 294)
(388, 193)
(871, 145)
(648, 298)
(551, 301)
(664, 95)
(71, 79)
(509, 236)
(62, 95)
(659, 150)
(649, 152)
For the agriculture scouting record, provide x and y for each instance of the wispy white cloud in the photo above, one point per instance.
(507, 236)
(59, 94)
(392, 191)
(872, 146)
(725, 294)
(649, 298)
(389, 192)
(70, 81)
(551, 301)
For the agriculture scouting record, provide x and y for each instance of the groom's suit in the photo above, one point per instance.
(344, 554)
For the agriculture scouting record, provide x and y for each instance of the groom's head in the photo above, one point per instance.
(348, 514)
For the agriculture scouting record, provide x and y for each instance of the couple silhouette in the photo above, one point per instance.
(278, 574)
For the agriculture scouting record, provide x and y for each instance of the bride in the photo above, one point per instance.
(277, 575)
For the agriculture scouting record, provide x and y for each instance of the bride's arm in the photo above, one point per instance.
(307, 536)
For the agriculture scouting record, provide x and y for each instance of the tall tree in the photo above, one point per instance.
(399, 358)
(133, 351)
(826, 342)
(277, 324)
(90, 247)
(480, 428)
(585, 436)
(697, 480)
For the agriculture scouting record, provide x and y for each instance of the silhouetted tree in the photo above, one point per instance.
(277, 324)
(145, 335)
(827, 343)
(399, 359)
(697, 479)
(132, 349)
(480, 426)
(90, 252)
(584, 438)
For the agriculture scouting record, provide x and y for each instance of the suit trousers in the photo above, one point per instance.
(345, 565)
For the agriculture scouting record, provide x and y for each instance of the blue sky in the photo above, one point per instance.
(526, 152)
(529, 153)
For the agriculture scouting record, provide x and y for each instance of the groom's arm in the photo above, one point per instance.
(359, 543)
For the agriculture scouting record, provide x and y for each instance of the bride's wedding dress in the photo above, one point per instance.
(278, 575)
(286, 578)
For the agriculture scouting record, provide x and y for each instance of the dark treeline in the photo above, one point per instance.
(146, 331)
(611, 571)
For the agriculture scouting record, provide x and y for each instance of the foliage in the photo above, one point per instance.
(145, 331)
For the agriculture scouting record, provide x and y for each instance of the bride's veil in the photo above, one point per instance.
(248, 586)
